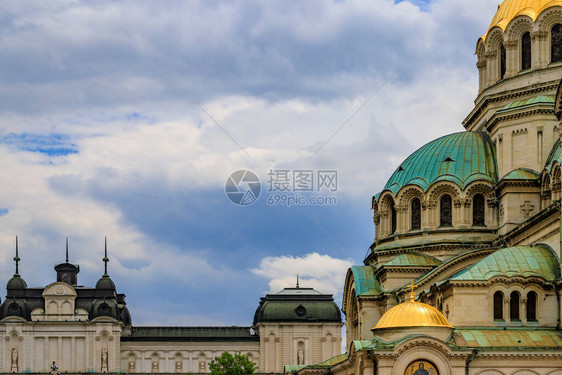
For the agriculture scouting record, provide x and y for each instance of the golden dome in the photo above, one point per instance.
(412, 314)
(509, 9)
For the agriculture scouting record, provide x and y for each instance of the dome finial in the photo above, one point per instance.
(298, 281)
(17, 258)
(105, 258)
(412, 294)
(66, 249)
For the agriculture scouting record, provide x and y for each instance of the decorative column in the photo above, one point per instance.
(481, 65)
(493, 69)
(461, 212)
(539, 49)
(428, 212)
(401, 218)
(511, 58)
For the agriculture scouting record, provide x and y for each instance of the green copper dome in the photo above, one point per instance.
(460, 157)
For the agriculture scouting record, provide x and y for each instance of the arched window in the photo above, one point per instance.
(446, 210)
(498, 306)
(416, 213)
(392, 218)
(556, 43)
(478, 210)
(502, 61)
(531, 307)
(526, 51)
(514, 306)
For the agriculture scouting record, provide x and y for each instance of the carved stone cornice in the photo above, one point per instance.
(511, 44)
(481, 64)
(490, 54)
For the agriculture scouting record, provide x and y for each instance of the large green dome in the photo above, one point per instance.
(460, 157)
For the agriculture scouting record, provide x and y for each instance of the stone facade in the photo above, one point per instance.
(90, 330)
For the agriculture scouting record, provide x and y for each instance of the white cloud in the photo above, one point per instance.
(321, 272)
(281, 79)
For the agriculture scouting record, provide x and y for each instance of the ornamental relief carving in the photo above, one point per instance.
(444, 189)
(539, 35)
(501, 212)
(408, 194)
(527, 209)
(401, 208)
(429, 205)
(462, 202)
(548, 19)
(511, 44)
(518, 28)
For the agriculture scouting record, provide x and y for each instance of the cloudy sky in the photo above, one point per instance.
(125, 118)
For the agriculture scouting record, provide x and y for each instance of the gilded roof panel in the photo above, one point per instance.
(509, 9)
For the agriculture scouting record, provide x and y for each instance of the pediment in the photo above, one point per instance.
(59, 289)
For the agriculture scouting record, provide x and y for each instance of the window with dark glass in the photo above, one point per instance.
(514, 306)
(392, 218)
(446, 210)
(556, 43)
(526, 51)
(416, 213)
(478, 210)
(531, 306)
(498, 306)
(502, 61)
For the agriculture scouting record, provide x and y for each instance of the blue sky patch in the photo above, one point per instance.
(54, 144)
(3, 211)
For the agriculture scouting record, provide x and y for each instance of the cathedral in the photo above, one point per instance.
(463, 276)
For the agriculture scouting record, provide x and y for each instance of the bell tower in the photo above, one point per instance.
(67, 272)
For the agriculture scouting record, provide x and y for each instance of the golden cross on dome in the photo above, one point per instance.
(412, 294)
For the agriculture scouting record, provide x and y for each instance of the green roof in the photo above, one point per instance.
(554, 156)
(413, 259)
(537, 100)
(460, 157)
(515, 261)
(521, 174)
(365, 281)
(297, 305)
(510, 339)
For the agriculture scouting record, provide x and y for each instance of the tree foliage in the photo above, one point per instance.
(228, 364)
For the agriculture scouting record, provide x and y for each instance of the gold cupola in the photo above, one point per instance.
(411, 318)
(509, 9)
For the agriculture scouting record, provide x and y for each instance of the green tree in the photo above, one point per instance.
(228, 364)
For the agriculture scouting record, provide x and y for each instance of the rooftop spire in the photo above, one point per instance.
(105, 258)
(298, 281)
(66, 249)
(17, 258)
(412, 294)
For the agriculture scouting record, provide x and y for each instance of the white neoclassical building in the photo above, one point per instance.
(85, 330)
